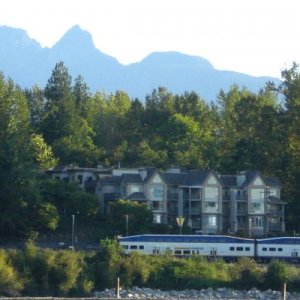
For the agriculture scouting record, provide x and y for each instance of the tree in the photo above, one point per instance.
(139, 217)
(63, 126)
(290, 89)
(59, 117)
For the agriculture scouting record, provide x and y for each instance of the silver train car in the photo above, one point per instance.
(211, 246)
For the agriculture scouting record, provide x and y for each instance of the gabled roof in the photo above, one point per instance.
(150, 172)
(196, 177)
(174, 178)
(250, 175)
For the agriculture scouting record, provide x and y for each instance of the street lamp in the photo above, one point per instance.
(73, 230)
(126, 219)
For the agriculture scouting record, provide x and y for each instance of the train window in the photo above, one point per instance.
(279, 249)
(186, 251)
(264, 249)
(125, 246)
(133, 247)
(141, 247)
(177, 252)
(231, 248)
(239, 248)
(272, 249)
(247, 248)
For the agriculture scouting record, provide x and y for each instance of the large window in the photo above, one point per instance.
(212, 221)
(157, 192)
(134, 189)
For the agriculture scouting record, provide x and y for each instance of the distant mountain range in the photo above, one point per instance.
(27, 63)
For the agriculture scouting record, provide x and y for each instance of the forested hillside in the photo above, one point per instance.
(64, 123)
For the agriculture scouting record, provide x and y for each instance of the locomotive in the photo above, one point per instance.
(212, 246)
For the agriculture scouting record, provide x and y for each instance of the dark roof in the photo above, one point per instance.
(110, 180)
(131, 178)
(137, 196)
(150, 172)
(228, 180)
(174, 178)
(250, 176)
(196, 177)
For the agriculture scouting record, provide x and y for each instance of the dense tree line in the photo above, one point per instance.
(65, 123)
(42, 272)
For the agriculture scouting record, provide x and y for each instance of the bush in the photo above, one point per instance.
(10, 282)
(245, 274)
(278, 272)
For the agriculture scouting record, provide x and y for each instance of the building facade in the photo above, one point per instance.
(247, 203)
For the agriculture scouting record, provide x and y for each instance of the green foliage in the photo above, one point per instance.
(139, 217)
(135, 270)
(246, 274)
(10, 282)
(42, 153)
(52, 273)
(107, 264)
(278, 272)
(65, 122)
(69, 199)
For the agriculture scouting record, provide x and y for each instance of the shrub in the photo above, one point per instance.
(245, 273)
(278, 272)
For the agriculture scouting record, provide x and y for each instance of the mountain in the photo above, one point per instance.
(27, 63)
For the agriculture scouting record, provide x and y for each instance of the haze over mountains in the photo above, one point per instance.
(27, 63)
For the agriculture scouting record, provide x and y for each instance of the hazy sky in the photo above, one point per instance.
(257, 37)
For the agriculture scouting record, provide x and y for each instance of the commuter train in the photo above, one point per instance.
(212, 246)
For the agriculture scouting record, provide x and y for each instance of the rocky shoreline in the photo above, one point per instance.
(204, 294)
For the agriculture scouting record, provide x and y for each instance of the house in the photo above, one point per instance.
(247, 203)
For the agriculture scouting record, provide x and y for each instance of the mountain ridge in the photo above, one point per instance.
(27, 63)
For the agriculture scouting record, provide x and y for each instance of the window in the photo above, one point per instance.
(272, 249)
(231, 248)
(141, 247)
(212, 221)
(247, 248)
(239, 248)
(133, 247)
(264, 249)
(280, 249)
(178, 252)
(157, 192)
(186, 252)
(134, 189)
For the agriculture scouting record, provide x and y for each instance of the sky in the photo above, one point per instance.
(256, 37)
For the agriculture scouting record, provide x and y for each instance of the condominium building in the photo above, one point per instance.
(247, 203)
